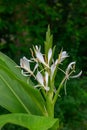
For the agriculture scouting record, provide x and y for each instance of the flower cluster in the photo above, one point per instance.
(45, 68)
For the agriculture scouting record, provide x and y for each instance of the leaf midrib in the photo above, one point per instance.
(17, 97)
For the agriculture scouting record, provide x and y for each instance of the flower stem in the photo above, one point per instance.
(58, 90)
(50, 104)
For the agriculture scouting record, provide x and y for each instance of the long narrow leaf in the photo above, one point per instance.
(18, 92)
(31, 122)
(12, 66)
(15, 94)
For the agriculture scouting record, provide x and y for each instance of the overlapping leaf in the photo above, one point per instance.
(29, 121)
(15, 94)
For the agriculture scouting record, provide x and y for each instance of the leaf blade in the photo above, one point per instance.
(10, 72)
(31, 122)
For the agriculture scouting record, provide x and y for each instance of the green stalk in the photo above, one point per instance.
(50, 104)
(50, 107)
(51, 100)
(58, 90)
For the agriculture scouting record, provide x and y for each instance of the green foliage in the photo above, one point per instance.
(14, 88)
(31, 122)
(19, 97)
(23, 23)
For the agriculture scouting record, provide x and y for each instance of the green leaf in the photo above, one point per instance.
(12, 66)
(15, 94)
(55, 126)
(31, 122)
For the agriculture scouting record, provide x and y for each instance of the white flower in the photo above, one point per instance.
(43, 81)
(53, 67)
(46, 81)
(24, 64)
(76, 76)
(41, 58)
(39, 55)
(49, 55)
(70, 69)
(62, 56)
(40, 78)
(70, 66)
(38, 48)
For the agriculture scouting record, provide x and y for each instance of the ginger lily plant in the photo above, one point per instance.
(32, 105)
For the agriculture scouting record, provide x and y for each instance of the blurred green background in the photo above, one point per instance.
(23, 23)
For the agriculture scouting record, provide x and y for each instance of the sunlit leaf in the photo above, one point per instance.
(31, 122)
(15, 94)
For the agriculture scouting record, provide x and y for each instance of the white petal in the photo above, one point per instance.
(46, 78)
(38, 48)
(53, 67)
(40, 57)
(70, 66)
(62, 56)
(39, 78)
(76, 76)
(49, 55)
(24, 63)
